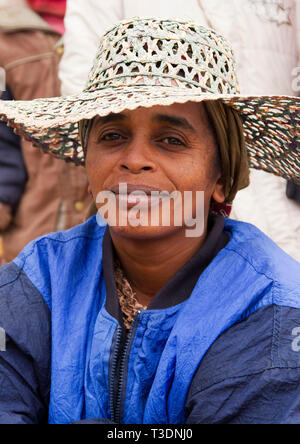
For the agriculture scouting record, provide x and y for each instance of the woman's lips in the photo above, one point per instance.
(144, 196)
(124, 188)
(126, 201)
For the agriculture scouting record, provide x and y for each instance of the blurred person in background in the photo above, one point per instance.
(265, 35)
(52, 11)
(38, 194)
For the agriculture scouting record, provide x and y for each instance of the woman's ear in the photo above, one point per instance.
(219, 193)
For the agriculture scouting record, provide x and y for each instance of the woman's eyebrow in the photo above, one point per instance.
(113, 117)
(180, 122)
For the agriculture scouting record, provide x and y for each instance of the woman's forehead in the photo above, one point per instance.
(185, 116)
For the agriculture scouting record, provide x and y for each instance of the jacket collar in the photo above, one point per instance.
(180, 287)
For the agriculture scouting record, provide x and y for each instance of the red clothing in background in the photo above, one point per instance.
(52, 11)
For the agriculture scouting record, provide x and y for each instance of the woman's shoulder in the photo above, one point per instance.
(52, 261)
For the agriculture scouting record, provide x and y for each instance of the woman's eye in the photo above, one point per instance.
(111, 137)
(172, 141)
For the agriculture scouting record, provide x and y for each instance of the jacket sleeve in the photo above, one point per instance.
(269, 397)
(24, 350)
(85, 23)
(251, 374)
(13, 175)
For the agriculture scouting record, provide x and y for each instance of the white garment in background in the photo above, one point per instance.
(265, 35)
(87, 20)
(12, 3)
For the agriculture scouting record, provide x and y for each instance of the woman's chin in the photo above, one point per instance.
(142, 232)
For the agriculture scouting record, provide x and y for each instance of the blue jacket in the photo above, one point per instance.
(229, 353)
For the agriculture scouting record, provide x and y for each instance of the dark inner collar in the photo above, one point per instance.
(181, 285)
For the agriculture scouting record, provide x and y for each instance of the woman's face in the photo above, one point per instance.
(150, 150)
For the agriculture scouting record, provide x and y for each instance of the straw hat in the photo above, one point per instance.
(147, 62)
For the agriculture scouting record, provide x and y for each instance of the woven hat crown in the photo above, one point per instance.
(165, 53)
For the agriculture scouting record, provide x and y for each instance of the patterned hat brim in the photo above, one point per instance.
(271, 123)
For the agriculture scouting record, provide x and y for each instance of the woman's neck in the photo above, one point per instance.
(150, 264)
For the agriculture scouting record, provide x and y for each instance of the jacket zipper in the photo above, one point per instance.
(123, 355)
(114, 371)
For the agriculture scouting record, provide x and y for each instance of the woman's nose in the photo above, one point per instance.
(137, 157)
